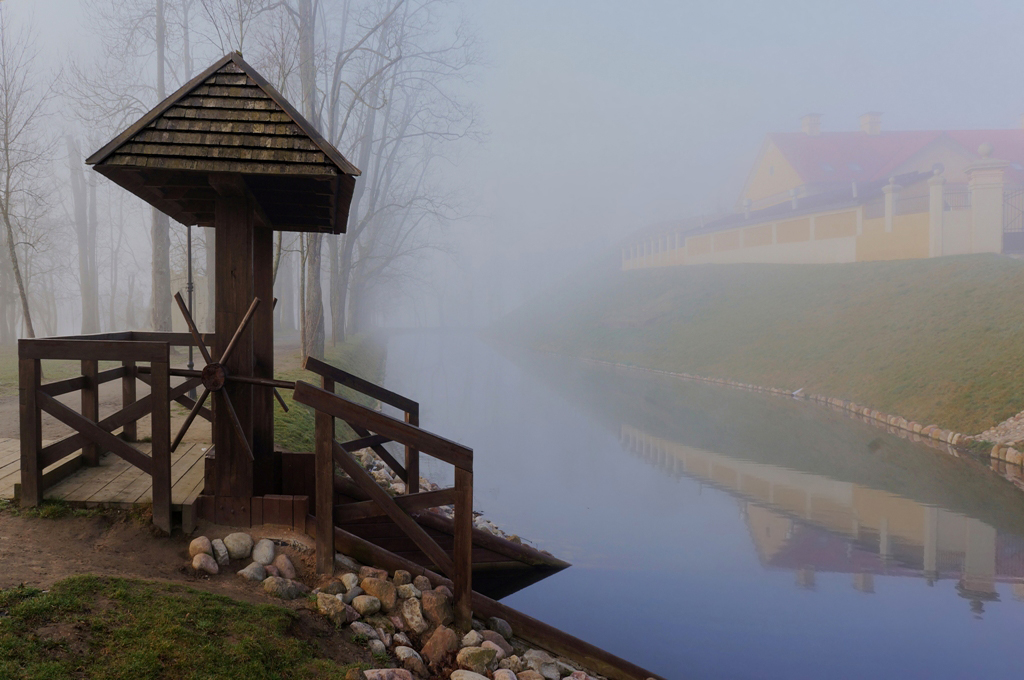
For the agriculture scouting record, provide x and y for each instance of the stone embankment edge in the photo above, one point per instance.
(950, 442)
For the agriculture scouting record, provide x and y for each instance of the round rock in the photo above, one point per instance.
(239, 545)
(284, 566)
(205, 563)
(366, 605)
(200, 546)
(476, 659)
(263, 552)
(254, 572)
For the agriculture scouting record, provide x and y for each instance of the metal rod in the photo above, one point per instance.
(189, 287)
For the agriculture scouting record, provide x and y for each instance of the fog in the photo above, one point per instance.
(593, 120)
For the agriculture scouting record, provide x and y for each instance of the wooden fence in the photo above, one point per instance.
(94, 436)
(375, 429)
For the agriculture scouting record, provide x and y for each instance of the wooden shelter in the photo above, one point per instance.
(228, 151)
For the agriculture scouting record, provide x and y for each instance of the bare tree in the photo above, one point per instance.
(25, 150)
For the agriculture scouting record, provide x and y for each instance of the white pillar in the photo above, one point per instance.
(935, 214)
(892, 194)
(986, 186)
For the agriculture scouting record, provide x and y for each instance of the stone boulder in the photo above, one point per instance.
(499, 653)
(332, 608)
(366, 605)
(542, 663)
(500, 626)
(239, 545)
(254, 572)
(382, 590)
(220, 552)
(284, 566)
(350, 581)
(504, 674)
(442, 644)
(422, 583)
(204, 563)
(402, 577)
(412, 615)
(476, 659)
(263, 552)
(529, 675)
(407, 590)
(200, 546)
(437, 607)
(389, 674)
(411, 660)
(463, 674)
(372, 572)
(334, 588)
(495, 638)
(360, 628)
(284, 588)
(352, 594)
(344, 563)
(472, 639)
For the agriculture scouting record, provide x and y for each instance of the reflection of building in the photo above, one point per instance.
(855, 196)
(809, 523)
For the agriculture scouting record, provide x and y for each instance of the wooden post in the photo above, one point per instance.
(90, 407)
(161, 452)
(463, 550)
(233, 219)
(325, 488)
(130, 433)
(412, 456)
(266, 475)
(29, 377)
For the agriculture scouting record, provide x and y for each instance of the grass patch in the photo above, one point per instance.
(87, 626)
(359, 355)
(937, 341)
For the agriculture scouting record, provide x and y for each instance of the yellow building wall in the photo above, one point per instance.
(698, 245)
(793, 231)
(727, 240)
(757, 236)
(773, 177)
(907, 240)
(835, 225)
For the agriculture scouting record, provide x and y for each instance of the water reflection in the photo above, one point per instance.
(809, 523)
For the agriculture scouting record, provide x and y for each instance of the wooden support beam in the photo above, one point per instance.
(324, 438)
(379, 449)
(351, 512)
(364, 442)
(359, 384)
(29, 375)
(462, 553)
(160, 462)
(378, 495)
(94, 433)
(412, 456)
(128, 397)
(91, 407)
(396, 430)
(98, 350)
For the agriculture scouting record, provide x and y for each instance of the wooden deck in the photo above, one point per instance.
(114, 483)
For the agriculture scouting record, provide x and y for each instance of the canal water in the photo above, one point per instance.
(716, 533)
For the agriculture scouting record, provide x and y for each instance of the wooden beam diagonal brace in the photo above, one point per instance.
(94, 433)
(383, 500)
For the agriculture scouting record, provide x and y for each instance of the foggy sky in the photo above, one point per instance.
(605, 116)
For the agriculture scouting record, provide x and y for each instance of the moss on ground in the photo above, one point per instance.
(87, 626)
(938, 341)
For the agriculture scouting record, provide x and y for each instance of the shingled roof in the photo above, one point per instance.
(230, 121)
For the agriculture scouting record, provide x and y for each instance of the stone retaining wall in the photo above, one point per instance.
(949, 442)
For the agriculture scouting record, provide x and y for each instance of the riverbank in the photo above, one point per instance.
(936, 341)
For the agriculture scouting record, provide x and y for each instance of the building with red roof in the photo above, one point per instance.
(817, 197)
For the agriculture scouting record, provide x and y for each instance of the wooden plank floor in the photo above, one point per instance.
(113, 483)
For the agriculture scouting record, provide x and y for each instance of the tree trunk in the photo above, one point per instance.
(211, 277)
(161, 313)
(22, 293)
(314, 330)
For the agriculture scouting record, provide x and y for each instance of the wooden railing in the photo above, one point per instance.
(375, 429)
(93, 435)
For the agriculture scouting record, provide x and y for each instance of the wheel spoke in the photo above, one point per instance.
(237, 424)
(192, 328)
(280, 400)
(241, 329)
(188, 420)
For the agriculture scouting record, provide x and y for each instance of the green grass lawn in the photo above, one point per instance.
(293, 431)
(938, 341)
(93, 627)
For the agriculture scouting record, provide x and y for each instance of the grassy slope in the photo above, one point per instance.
(115, 628)
(938, 341)
(362, 356)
